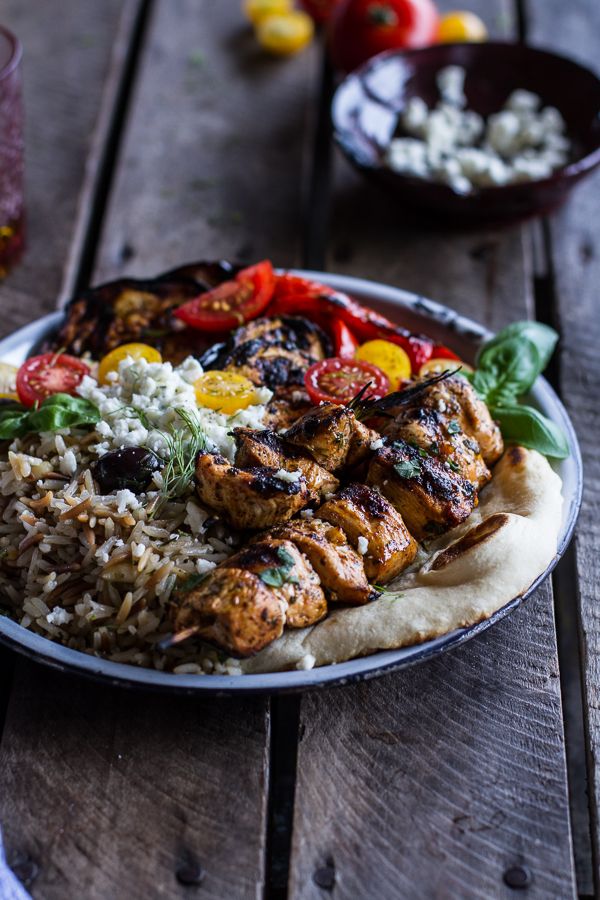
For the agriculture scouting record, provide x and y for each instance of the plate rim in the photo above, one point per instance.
(46, 652)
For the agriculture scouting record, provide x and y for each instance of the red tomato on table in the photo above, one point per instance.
(362, 28)
(320, 10)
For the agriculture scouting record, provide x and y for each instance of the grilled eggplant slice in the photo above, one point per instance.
(129, 310)
(363, 513)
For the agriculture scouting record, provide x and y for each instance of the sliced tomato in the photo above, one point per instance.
(232, 303)
(344, 342)
(50, 373)
(337, 380)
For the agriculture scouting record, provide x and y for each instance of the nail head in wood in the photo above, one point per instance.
(190, 874)
(324, 877)
(517, 877)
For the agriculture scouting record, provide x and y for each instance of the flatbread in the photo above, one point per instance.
(459, 580)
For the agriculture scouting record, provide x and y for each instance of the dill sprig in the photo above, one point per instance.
(183, 445)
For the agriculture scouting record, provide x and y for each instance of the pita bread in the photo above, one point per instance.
(459, 580)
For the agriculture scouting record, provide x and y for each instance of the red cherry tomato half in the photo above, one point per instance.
(337, 380)
(233, 302)
(50, 373)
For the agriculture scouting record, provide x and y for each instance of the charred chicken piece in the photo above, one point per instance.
(265, 448)
(249, 498)
(429, 494)
(337, 564)
(272, 352)
(365, 515)
(129, 310)
(332, 435)
(450, 416)
(281, 566)
(232, 609)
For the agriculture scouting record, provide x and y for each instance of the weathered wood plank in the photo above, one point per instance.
(440, 780)
(67, 51)
(219, 171)
(212, 123)
(575, 261)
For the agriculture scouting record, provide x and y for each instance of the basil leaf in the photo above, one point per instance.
(408, 469)
(542, 336)
(13, 422)
(527, 426)
(63, 411)
(514, 364)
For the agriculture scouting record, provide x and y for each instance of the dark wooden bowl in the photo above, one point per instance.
(367, 104)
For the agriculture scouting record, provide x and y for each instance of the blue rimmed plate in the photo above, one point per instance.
(418, 314)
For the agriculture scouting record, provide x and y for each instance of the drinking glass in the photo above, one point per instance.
(11, 151)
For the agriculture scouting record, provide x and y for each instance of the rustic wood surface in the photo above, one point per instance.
(443, 781)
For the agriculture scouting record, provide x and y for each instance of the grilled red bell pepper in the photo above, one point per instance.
(299, 296)
(344, 342)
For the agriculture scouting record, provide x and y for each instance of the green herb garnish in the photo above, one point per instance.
(452, 465)
(408, 469)
(54, 413)
(191, 582)
(454, 427)
(183, 444)
(507, 367)
(278, 576)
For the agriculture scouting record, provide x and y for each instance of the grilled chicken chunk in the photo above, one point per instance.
(272, 352)
(450, 416)
(265, 448)
(252, 498)
(365, 515)
(430, 496)
(281, 566)
(337, 564)
(232, 609)
(332, 435)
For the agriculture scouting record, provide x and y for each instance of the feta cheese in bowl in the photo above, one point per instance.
(450, 143)
(473, 132)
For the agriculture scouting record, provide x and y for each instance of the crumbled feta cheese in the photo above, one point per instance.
(456, 146)
(307, 513)
(292, 477)
(59, 616)
(126, 499)
(307, 662)
(68, 463)
(362, 545)
(376, 445)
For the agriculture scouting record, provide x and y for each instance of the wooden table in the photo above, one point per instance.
(157, 134)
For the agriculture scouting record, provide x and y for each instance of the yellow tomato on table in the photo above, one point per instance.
(110, 362)
(389, 357)
(461, 26)
(440, 364)
(257, 10)
(285, 34)
(224, 391)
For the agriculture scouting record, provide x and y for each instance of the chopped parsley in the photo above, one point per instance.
(191, 582)
(434, 448)
(452, 465)
(454, 427)
(408, 468)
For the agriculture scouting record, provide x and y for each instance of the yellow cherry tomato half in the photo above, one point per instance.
(389, 357)
(8, 382)
(110, 362)
(438, 365)
(460, 26)
(257, 10)
(285, 34)
(224, 391)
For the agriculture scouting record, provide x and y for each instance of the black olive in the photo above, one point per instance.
(130, 468)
